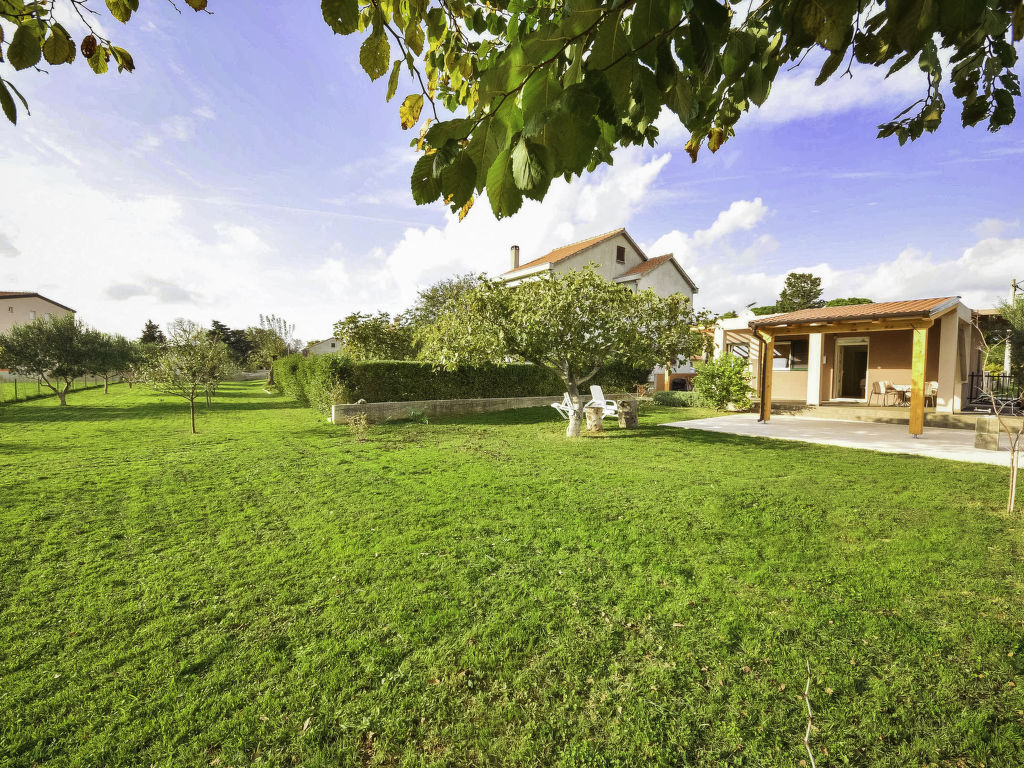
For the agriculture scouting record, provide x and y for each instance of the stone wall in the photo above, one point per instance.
(378, 412)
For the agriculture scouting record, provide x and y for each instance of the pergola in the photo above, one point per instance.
(917, 316)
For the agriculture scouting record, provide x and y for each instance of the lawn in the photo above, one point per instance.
(484, 592)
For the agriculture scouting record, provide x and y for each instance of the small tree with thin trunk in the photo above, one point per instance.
(113, 355)
(55, 350)
(1007, 402)
(571, 324)
(189, 363)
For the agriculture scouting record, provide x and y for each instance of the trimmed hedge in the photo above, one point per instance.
(677, 399)
(322, 380)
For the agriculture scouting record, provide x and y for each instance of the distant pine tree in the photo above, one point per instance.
(151, 334)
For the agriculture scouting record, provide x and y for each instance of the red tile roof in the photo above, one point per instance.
(645, 266)
(568, 250)
(878, 311)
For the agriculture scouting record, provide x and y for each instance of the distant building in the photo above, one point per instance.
(20, 307)
(616, 256)
(325, 347)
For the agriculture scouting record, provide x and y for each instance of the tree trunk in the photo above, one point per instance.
(130, 382)
(270, 378)
(62, 395)
(106, 385)
(576, 413)
(1014, 462)
(192, 413)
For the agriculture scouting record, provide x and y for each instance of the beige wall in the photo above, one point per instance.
(890, 354)
(665, 280)
(603, 255)
(20, 311)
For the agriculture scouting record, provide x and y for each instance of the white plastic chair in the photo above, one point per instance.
(564, 407)
(610, 407)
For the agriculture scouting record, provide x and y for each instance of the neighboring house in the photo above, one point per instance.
(20, 307)
(617, 257)
(325, 347)
(927, 348)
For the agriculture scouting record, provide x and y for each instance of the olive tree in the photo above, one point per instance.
(571, 324)
(189, 364)
(55, 350)
(113, 355)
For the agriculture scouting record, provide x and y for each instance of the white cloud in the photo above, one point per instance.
(993, 227)
(794, 96)
(390, 277)
(204, 112)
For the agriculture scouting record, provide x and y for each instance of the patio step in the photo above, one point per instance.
(876, 414)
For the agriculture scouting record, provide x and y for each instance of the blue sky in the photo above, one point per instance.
(248, 165)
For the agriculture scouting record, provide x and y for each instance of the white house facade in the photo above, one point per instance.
(615, 256)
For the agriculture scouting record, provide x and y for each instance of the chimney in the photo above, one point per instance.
(515, 257)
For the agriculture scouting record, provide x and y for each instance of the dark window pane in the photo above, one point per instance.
(798, 354)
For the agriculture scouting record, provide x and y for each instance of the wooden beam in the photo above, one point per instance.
(766, 377)
(859, 327)
(917, 381)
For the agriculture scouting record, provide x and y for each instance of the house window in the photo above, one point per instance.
(333, 345)
(620, 255)
(780, 358)
(31, 314)
(790, 355)
(798, 355)
(48, 315)
(741, 350)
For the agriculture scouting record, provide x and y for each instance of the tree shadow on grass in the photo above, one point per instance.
(147, 410)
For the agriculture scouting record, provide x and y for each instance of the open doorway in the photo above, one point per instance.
(851, 376)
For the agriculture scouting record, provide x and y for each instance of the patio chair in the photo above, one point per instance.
(882, 389)
(931, 393)
(610, 407)
(564, 407)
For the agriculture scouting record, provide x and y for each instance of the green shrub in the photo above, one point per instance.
(288, 377)
(322, 380)
(723, 382)
(676, 399)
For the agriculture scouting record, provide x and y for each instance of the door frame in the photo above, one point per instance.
(837, 372)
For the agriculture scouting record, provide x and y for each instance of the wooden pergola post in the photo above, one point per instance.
(917, 374)
(766, 366)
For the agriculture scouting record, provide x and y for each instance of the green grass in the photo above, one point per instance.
(484, 592)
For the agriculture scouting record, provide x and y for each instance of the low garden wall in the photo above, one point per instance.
(378, 412)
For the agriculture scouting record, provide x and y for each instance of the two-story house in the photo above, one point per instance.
(617, 257)
(20, 307)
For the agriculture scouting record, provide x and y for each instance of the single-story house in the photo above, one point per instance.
(925, 348)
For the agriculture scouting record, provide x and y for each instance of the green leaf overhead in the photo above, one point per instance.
(59, 48)
(581, 79)
(506, 68)
(375, 54)
(25, 49)
(502, 191)
(341, 15)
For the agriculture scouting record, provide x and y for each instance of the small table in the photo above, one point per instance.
(902, 393)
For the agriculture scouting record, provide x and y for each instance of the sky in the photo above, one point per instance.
(249, 166)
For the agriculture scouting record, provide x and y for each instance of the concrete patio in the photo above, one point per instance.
(954, 444)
